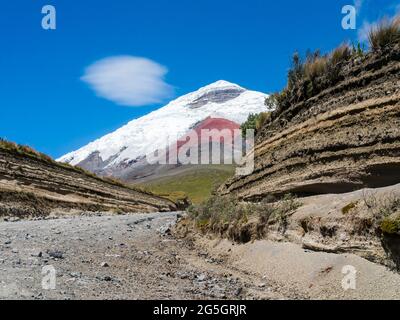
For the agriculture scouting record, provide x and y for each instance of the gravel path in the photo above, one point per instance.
(114, 257)
(135, 257)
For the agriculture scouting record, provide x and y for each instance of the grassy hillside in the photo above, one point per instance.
(197, 182)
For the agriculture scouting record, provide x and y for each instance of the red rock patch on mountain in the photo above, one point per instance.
(218, 132)
(210, 125)
(217, 123)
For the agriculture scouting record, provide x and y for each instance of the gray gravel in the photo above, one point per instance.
(113, 257)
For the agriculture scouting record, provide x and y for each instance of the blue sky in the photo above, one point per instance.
(53, 102)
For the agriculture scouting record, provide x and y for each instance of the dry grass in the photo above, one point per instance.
(23, 150)
(305, 74)
(340, 54)
(315, 66)
(385, 211)
(385, 34)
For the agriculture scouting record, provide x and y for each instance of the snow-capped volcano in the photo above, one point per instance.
(143, 136)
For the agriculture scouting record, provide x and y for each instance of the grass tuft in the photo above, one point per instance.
(348, 208)
(385, 34)
(315, 66)
(390, 225)
(341, 54)
(310, 76)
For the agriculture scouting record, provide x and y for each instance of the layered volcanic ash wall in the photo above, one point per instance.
(345, 137)
(32, 184)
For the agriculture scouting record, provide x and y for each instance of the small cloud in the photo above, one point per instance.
(128, 80)
(358, 4)
(363, 32)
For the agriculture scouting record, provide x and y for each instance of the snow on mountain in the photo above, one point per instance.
(156, 130)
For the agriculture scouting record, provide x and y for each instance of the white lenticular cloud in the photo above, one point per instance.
(128, 80)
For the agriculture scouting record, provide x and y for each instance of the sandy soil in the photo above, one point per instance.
(286, 267)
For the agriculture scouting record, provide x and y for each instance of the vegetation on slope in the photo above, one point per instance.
(197, 183)
(385, 212)
(228, 217)
(382, 213)
(385, 34)
(255, 122)
(303, 76)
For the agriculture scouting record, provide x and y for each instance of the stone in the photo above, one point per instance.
(238, 291)
(165, 230)
(201, 277)
(37, 254)
(56, 254)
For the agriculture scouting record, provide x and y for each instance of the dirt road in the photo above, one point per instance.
(114, 257)
(135, 257)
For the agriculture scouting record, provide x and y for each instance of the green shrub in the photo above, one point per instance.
(255, 122)
(249, 124)
(390, 225)
(385, 211)
(271, 102)
(218, 210)
(346, 209)
(296, 72)
(389, 205)
(359, 50)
